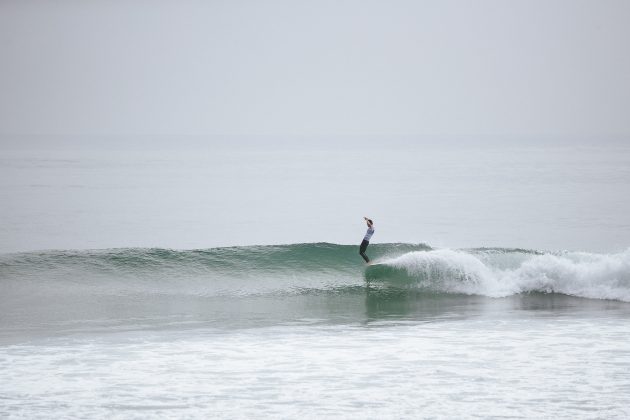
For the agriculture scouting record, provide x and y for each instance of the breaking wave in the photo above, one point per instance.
(318, 268)
(500, 273)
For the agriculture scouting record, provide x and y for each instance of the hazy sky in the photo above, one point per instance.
(425, 68)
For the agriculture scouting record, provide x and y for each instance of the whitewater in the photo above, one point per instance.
(504, 272)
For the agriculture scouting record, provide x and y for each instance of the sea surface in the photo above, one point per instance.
(227, 283)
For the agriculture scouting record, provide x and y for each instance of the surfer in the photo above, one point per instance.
(366, 239)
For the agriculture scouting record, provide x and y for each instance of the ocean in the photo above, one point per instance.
(227, 283)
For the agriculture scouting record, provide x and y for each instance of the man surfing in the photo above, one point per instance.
(366, 239)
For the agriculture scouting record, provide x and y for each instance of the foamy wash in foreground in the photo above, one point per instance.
(308, 330)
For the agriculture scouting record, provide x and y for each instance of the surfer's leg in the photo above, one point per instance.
(362, 249)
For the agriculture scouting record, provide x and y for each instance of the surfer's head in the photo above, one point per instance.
(370, 222)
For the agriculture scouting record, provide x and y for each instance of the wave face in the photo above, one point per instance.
(316, 268)
(248, 270)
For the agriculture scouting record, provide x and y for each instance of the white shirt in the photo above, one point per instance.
(369, 234)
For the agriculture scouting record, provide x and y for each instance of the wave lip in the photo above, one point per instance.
(497, 273)
(230, 261)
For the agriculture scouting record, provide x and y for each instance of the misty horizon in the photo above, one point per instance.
(512, 70)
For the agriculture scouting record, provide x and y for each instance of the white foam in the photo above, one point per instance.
(599, 276)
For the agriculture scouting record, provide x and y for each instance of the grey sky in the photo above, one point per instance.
(425, 68)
